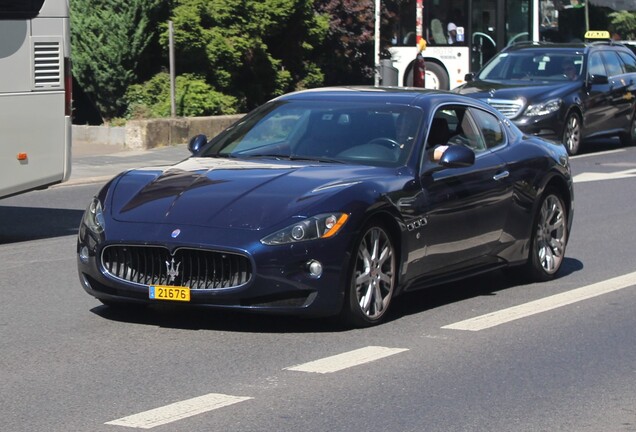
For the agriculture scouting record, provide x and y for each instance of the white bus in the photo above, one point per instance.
(482, 27)
(35, 95)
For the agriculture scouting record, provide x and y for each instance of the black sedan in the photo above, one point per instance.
(331, 202)
(564, 92)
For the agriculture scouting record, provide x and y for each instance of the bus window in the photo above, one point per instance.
(20, 8)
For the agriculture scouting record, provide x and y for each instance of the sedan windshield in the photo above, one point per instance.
(531, 65)
(324, 131)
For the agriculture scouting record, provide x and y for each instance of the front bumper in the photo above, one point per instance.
(548, 126)
(280, 280)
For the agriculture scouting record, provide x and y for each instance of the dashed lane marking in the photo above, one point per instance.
(596, 176)
(346, 360)
(177, 411)
(534, 307)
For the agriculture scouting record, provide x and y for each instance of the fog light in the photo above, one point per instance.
(315, 268)
(83, 254)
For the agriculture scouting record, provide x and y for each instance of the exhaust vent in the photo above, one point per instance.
(47, 64)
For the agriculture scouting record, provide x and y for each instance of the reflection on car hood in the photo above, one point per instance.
(228, 193)
(529, 90)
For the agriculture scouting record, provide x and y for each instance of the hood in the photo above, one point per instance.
(531, 91)
(229, 193)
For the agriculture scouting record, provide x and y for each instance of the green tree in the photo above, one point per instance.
(109, 39)
(250, 49)
(624, 23)
(193, 97)
(347, 57)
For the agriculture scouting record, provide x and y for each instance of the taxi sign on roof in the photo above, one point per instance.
(597, 34)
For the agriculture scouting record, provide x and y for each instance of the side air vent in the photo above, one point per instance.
(47, 64)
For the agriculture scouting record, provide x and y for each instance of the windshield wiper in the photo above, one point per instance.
(260, 156)
(315, 158)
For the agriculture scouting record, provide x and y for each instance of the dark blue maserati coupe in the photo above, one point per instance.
(332, 202)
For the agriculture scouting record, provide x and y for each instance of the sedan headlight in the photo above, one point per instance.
(543, 108)
(316, 227)
(94, 217)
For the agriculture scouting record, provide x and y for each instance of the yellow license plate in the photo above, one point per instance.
(174, 293)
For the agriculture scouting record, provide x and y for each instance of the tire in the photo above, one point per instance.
(436, 77)
(549, 238)
(372, 278)
(572, 133)
(629, 138)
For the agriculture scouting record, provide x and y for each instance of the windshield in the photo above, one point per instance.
(534, 66)
(327, 131)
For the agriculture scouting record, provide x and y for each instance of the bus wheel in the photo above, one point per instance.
(436, 77)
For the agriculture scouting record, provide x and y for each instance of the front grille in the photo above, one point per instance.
(193, 268)
(508, 107)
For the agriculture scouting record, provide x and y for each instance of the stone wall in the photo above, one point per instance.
(147, 134)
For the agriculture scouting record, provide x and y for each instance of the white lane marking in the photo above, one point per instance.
(177, 411)
(597, 154)
(595, 176)
(534, 307)
(347, 360)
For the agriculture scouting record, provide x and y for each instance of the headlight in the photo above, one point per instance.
(543, 108)
(316, 227)
(94, 217)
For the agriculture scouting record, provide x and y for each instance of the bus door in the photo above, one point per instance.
(495, 24)
(483, 36)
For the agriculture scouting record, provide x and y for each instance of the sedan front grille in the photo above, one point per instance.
(192, 268)
(510, 108)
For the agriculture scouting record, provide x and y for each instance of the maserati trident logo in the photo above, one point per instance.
(173, 271)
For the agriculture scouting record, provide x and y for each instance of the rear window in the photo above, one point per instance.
(20, 8)
(629, 62)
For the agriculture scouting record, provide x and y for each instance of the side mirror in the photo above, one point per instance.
(599, 79)
(196, 143)
(457, 156)
(469, 77)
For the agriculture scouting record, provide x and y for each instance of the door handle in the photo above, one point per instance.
(502, 175)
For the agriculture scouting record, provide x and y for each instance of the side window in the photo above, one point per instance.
(443, 123)
(596, 66)
(466, 132)
(612, 63)
(629, 62)
(20, 8)
(490, 128)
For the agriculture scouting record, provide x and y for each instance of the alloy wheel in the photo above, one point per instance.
(374, 274)
(551, 234)
(572, 134)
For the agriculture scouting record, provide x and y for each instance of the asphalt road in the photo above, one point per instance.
(566, 362)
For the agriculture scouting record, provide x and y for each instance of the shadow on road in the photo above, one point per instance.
(188, 318)
(18, 224)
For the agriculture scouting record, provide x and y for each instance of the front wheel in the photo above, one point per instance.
(549, 238)
(372, 278)
(572, 134)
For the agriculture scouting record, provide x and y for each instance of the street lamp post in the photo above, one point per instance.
(376, 51)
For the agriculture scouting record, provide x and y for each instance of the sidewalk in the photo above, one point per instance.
(99, 163)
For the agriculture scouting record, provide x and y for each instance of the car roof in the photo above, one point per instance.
(397, 95)
(573, 46)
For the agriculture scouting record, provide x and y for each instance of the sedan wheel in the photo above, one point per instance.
(629, 138)
(572, 134)
(549, 239)
(373, 276)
